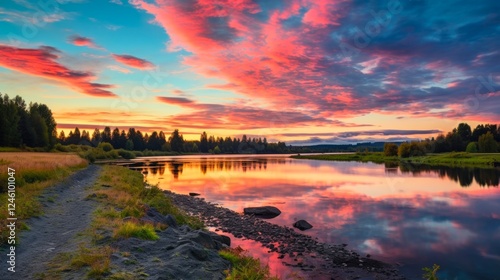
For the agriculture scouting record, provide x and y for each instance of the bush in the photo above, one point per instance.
(404, 150)
(61, 148)
(471, 147)
(487, 143)
(126, 154)
(217, 150)
(105, 146)
(417, 149)
(390, 149)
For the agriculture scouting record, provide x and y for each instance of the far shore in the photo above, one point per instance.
(453, 159)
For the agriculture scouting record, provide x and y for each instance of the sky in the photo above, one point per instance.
(299, 71)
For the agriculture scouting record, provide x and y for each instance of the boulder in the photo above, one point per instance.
(302, 225)
(222, 239)
(170, 221)
(155, 217)
(266, 212)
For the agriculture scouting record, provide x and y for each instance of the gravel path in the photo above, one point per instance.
(67, 212)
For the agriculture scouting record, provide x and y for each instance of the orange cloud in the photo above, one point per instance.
(42, 62)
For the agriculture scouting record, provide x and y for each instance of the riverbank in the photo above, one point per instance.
(460, 159)
(313, 259)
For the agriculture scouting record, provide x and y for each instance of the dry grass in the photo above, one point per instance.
(40, 161)
(33, 173)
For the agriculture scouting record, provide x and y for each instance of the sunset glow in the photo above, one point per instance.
(300, 71)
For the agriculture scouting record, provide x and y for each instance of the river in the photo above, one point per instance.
(411, 216)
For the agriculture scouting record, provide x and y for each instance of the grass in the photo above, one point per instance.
(125, 195)
(131, 229)
(34, 172)
(96, 258)
(454, 159)
(245, 267)
(430, 273)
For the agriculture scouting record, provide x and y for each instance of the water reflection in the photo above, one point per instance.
(485, 177)
(413, 215)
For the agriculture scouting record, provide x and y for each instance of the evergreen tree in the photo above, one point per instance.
(176, 141)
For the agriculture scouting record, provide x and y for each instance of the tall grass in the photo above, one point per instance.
(245, 267)
(33, 172)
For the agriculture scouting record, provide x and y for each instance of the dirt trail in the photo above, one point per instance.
(66, 214)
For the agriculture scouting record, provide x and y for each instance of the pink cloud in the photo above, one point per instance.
(237, 116)
(133, 61)
(42, 62)
(261, 59)
(83, 42)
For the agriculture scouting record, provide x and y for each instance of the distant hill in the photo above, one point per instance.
(326, 148)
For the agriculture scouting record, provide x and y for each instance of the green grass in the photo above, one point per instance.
(430, 273)
(129, 194)
(245, 267)
(130, 229)
(454, 159)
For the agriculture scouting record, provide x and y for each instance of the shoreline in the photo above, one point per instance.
(453, 159)
(304, 254)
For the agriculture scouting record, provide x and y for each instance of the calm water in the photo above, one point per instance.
(414, 217)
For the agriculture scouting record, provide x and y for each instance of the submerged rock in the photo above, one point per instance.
(266, 212)
(302, 225)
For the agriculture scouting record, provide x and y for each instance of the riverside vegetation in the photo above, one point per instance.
(453, 159)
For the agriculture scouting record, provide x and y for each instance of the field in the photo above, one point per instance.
(33, 173)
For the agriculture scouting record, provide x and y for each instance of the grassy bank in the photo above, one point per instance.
(122, 200)
(33, 173)
(459, 159)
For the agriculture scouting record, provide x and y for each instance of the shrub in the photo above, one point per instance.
(417, 149)
(487, 143)
(61, 148)
(404, 150)
(126, 154)
(471, 147)
(105, 146)
(390, 149)
(217, 150)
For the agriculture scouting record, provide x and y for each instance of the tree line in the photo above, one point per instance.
(134, 140)
(484, 138)
(33, 125)
(24, 125)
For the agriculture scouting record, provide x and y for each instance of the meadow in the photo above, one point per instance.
(33, 173)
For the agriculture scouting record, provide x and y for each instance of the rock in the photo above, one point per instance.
(170, 221)
(222, 239)
(155, 217)
(194, 194)
(266, 212)
(302, 225)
